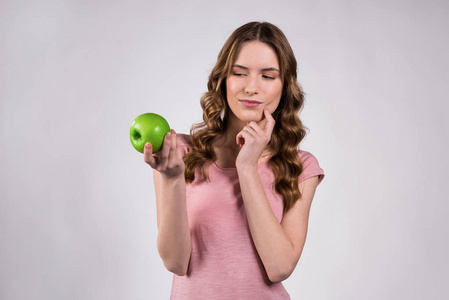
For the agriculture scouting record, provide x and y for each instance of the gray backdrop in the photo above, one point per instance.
(77, 209)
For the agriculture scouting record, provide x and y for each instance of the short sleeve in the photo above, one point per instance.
(310, 166)
(185, 143)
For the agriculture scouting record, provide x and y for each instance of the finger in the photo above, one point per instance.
(254, 128)
(239, 139)
(270, 122)
(262, 122)
(258, 134)
(164, 152)
(173, 145)
(244, 135)
(178, 144)
(173, 140)
(148, 155)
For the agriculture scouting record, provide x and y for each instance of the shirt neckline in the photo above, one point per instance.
(235, 169)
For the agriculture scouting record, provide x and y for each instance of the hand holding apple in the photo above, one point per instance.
(169, 160)
(148, 128)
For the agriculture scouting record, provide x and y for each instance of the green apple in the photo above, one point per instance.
(148, 128)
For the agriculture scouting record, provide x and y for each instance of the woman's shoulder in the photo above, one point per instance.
(310, 166)
(306, 157)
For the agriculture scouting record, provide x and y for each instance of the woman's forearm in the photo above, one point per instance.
(174, 243)
(273, 245)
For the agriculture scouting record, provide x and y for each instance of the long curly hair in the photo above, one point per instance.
(288, 131)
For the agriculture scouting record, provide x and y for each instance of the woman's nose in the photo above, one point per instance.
(251, 86)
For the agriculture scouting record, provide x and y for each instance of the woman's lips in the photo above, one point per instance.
(250, 103)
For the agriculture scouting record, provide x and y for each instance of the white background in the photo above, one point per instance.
(77, 208)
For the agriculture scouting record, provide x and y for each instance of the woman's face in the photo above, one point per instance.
(254, 83)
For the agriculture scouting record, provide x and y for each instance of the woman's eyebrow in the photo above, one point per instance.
(239, 66)
(271, 69)
(264, 69)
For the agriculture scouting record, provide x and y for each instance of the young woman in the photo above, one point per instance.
(233, 197)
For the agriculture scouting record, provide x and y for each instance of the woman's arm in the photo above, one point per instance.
(174, 244)
(278, 245)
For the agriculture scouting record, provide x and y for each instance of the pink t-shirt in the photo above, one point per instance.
(224, 263)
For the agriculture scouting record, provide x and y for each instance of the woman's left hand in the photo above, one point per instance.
(253, 139)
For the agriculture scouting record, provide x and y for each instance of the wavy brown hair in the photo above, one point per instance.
(288, 131)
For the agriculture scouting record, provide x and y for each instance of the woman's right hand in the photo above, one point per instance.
(168, 161)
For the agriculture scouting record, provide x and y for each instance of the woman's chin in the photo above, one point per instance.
(255, 116)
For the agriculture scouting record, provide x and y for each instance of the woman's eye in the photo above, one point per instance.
(268, 77)
(238, 74)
